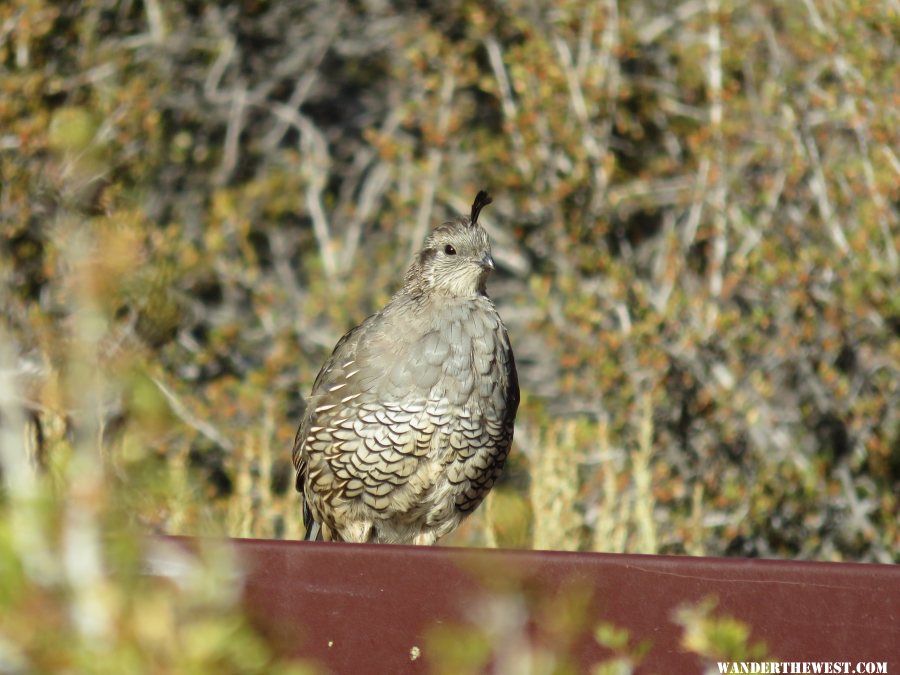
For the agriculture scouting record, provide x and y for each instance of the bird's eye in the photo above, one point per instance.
(449, 250)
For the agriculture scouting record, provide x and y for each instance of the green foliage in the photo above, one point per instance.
(717, 638)
(619, 641)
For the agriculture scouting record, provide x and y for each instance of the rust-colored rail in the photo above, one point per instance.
(374, 609)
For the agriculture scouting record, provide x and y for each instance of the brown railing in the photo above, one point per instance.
(396, 609)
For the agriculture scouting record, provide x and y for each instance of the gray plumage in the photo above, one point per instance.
(411, 418)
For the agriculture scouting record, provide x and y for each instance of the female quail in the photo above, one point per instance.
(411, 418)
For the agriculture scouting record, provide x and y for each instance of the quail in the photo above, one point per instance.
(411, 418)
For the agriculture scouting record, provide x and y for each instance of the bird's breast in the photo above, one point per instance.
(462, 357)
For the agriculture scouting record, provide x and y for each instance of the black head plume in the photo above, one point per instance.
(482, 199)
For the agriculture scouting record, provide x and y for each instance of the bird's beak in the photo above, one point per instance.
(487, 262)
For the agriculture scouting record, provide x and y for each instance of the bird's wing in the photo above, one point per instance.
(332, 371)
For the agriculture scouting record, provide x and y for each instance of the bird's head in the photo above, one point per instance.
(456, 257)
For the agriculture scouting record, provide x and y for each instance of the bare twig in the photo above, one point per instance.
(892, 159)
(586, 40)
(576, 96)
(373, 189)
(508, 104)
(317, 161)
(311, 58)
(156, 20)
(609, 65)
(815, 18)
(301, 90)
(227, 50)
(887, 210)
(282, 266)
(321, 228)
(434, 160)
(664, 275)
(667, 20)
(695, 213)
(819, 188)
(180, 409)
(658, 193)
(717, 199)
(232, 134)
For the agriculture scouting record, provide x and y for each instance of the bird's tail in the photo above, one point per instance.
(313, 529)
(313, 532)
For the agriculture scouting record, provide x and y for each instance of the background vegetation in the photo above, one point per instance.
(696, 223)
